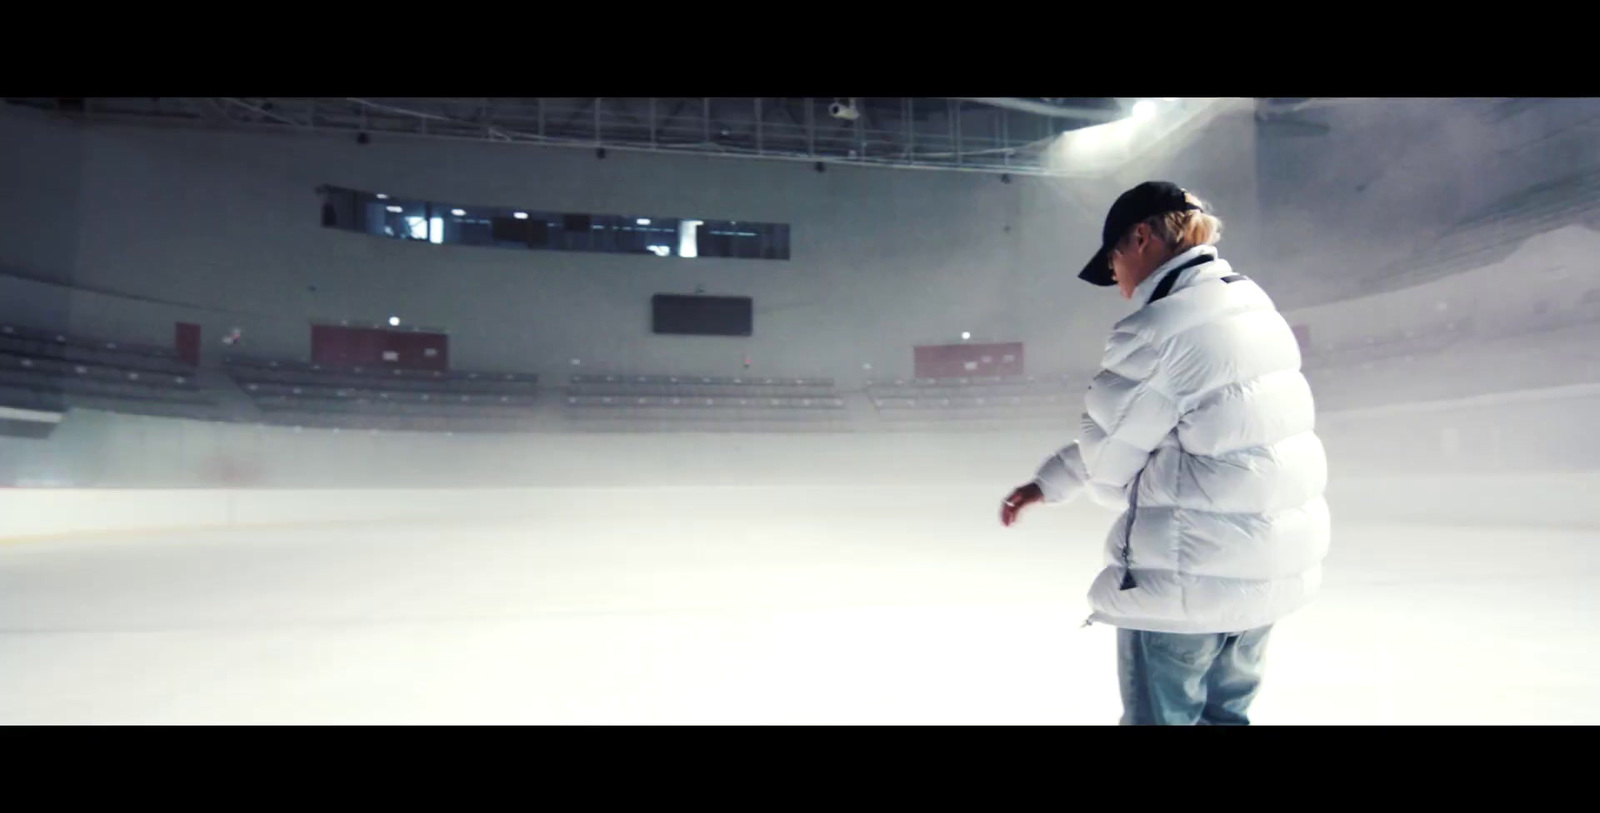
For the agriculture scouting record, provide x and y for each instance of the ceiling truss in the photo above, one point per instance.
(994, 135)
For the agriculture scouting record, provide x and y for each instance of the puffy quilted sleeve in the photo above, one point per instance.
(1062, 477)
(1126, 415)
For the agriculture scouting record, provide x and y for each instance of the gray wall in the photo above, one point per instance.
(41, 179)
(40, 186)
(140, 227)
(225, 228)
(1364, 189)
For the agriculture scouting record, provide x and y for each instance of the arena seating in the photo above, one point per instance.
(297, 393)
(41, 343)
(1494, 232)
(977, 401)
(43, 369)
(286, 371)
(740, 403)
(1391, 345)
(1557, 356)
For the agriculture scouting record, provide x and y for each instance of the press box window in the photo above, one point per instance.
(383, 215)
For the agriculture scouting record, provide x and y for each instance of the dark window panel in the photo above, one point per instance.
(442, 223)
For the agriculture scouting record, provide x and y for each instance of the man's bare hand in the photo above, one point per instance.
(1014, 503)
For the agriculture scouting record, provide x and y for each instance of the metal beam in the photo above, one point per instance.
(789, 114)
(257, 109)
(672, 115)
(954, 108)
(1005, 135)
(212, 112)
(572, 118)
(1042, 109)
(517, 121)
(811, 126)
(911, 127)
(858, 125)
(1308, 104)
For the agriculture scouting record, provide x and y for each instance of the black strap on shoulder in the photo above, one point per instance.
(1164, 287)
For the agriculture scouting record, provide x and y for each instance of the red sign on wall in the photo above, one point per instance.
(186, 341)
(966, 360)
(340, 346)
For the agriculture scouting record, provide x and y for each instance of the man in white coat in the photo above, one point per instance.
(1199, 427)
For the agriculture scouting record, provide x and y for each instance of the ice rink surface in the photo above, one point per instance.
(753, 606)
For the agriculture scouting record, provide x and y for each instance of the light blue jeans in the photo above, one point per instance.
(1173, 679)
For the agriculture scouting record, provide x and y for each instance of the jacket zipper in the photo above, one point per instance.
(1162, 289)
(1127, 536)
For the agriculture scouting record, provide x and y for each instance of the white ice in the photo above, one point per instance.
(749, 606)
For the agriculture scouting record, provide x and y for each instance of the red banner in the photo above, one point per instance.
(186, 341)
(967, 360)
(339, 346)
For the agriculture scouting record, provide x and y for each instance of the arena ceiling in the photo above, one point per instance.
(997, 135)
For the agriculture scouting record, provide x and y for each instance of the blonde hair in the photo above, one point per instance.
(1182, 231)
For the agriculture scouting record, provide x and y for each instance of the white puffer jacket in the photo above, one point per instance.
(1201, 426)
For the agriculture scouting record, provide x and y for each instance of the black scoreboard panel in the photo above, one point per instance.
(683, 315)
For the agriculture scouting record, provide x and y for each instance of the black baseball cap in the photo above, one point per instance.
(1147, 200)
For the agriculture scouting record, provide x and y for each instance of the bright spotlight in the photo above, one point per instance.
(394, 321)
(1143, 109)
(688, 238)
(965, 335)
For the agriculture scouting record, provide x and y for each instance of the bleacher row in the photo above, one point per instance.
(44, 370)
(973, 381)
(261, 369)
(703, 403)
(34, 341)
(655, 380)
(1494, 232)
(104, 354)
(971, 401)
(377, 422)
(25, 369)
(1560, 356)
(583, 389)
(1400, 343)
(52, 372)
(661, 401)
(1507, 328)
(48, 372)
(978, 401)
(323, 396)
(361, 395)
